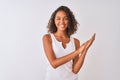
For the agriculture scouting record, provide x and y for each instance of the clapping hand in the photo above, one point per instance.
(90, 41)
(87, 44)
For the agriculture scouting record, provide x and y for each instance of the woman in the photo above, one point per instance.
(64, 53)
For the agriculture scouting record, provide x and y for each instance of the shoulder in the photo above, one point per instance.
(77, 43)
(46, 37)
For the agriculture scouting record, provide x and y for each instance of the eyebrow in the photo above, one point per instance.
(63, 17)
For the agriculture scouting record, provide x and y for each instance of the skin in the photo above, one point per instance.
(78, 56)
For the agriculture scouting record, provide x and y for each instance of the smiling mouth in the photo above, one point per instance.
(62, 26)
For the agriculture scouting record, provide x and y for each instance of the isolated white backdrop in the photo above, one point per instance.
(23, 23)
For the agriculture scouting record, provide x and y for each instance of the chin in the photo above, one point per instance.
(63, 29)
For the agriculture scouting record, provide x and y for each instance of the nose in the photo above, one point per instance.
(62, 21)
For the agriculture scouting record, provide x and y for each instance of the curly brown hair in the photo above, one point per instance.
(72, 21)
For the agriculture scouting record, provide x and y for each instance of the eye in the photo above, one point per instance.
(57, 18)
(66, 18)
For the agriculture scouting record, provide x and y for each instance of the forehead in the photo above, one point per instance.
(61, 13)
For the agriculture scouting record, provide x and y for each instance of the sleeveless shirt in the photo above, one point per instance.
(63, 72)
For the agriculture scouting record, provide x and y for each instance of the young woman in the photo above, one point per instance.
(64, 53)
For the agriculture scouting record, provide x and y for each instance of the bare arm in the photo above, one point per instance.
(55, 62)
(77, 46)
(79, 62)
(77, 66)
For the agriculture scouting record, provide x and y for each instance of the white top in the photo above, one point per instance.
(63, 72)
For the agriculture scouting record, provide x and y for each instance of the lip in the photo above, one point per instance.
(62, 25)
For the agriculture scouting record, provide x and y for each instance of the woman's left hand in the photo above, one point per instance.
(89, 43)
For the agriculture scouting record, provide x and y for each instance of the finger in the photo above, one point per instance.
(90, 42)
(94, 35)
(93, 38)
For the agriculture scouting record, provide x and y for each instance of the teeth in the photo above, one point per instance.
(62, 25)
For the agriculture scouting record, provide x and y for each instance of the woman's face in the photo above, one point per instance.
(61, 20)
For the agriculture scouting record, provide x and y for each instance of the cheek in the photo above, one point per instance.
(56, 23)
(67, 23)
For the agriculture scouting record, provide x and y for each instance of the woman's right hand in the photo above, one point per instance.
(83, 46)
(90, 41)
(87, 44)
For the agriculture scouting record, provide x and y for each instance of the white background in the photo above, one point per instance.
(23, 23)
